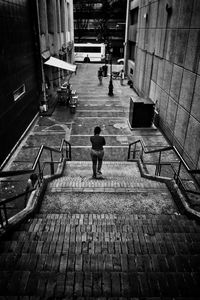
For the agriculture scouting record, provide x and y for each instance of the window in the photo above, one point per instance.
(19, 92)
(42, 19)
(69, 17)
(88, 49)
(58, 16)
(132, 50)
(62, 15)
(50, 16)
(134, 16)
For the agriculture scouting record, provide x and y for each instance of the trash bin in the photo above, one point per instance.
(141, 112)
(105, 70)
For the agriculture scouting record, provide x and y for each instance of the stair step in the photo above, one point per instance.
(108, 223)
(108, 242)
(110, 169)
(53, 262)
(100, 285)
(122, 184)
(99, 201)
(117, 177)
(104, 256)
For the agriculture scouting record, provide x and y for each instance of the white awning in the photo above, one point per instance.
(134, 4)
(58, 63)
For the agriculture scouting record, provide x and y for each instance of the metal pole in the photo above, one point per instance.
(158, 165)
(126, 39)
(110, 87)
(52, 163)
(41, 60)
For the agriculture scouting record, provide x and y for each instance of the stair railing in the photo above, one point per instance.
(36, 175)
(176, 166)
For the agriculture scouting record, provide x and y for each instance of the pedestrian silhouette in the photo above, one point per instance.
(100, 75)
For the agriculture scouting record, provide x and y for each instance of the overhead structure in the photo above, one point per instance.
(58, 63)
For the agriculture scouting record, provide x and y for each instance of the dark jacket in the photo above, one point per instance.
(97, 142)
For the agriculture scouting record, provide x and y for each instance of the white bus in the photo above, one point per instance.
(89, 52)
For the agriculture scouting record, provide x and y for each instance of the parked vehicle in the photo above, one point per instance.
(89, 52)
(120, 61)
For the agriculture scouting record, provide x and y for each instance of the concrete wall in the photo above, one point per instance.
(168, 69)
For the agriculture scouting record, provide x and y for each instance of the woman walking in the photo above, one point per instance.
(97, 151)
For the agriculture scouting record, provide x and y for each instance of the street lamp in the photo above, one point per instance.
(110, 87)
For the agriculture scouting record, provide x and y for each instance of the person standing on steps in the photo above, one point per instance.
(122, 77)
(100, 75)
(97, 151)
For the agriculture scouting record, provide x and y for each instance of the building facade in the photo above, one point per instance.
(56, 32)
(20, 71)
(31, 31)
(163, 52)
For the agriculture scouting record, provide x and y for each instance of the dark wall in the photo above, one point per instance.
(19, 52)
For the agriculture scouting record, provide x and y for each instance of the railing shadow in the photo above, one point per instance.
(41, 168)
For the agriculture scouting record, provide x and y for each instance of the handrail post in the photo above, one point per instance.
(67, 152)
(129, 147)
(141, 155)
(5, 213)
(39, 170)
(134, 151)
(62, 155)
(52, 163)
(178, 172)
(1, 218)
(70, 152)
(158, 168)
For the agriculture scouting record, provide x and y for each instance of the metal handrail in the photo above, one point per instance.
(42, 147)
(160, 150)
(7, 200)
(36, 163)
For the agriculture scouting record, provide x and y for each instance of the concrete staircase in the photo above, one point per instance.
(120, 237)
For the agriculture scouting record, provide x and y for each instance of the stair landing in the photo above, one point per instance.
(122, 190)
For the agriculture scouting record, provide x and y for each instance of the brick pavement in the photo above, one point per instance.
(61, 256)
